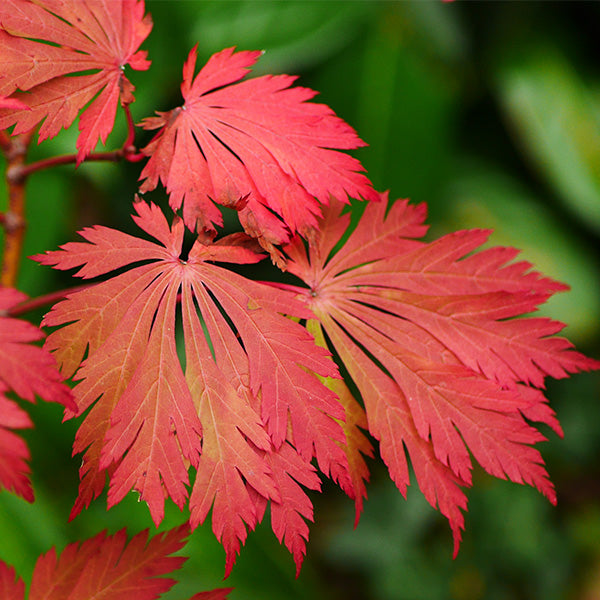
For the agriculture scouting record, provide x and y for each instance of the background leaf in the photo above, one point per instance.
(555, 115)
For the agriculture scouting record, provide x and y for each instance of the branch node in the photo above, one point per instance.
(12, 221)
(15, 174)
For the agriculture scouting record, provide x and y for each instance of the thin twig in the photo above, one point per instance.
(130, 152)
(66, 159)
(130, 128)
(45, 300)
(127, 152)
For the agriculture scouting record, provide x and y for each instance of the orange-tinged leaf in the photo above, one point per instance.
(250, 384)
(430, 335)
(232, 435)
(155, 419)
(43, 44)
(256, 145)
(287, 469)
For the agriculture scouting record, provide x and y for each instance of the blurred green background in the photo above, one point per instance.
(490, 113)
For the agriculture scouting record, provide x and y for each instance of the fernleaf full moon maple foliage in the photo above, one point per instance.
(179, 363)
(428, 333)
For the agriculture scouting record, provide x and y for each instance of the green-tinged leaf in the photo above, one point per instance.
(557, 120)
(295, 34)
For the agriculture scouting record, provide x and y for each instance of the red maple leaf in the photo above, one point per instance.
(44, 43)
(257, 145)
(105, 567)
(26, 370)
(428, 333)
(249, 388)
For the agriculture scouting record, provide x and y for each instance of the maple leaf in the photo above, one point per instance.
(105, 567)
(256, 145)
(43, 44)
(26, 370)
(428, 333)
(250, 385)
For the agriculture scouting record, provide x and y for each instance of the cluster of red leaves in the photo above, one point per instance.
(427, 331)
(106, 567)
(257, 146)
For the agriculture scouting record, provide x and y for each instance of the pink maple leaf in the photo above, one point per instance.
(256, 145)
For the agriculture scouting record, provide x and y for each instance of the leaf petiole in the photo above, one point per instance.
(41, 301)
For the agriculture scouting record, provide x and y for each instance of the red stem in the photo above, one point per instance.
(130, 152)
(130, 129)
(41, 301)
(66, 159)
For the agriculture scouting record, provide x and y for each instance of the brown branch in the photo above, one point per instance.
(4, 142)
(15, 150)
